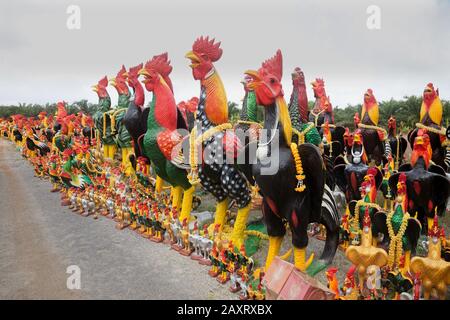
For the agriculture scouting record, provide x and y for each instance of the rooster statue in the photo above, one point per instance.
(373, 136)
(221, 178)
(293, 191)
(163, 121)
(431, 112)
(400, 230)
(395, 144)
(102, 121)
(351, 170)
(135, 119)
(428, 188)
(322, 109)
(116, 115)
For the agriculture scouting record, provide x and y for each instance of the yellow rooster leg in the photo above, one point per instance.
(112, 151)
(240, 225)
(105, 151)
(186, 206)
(158, 184)
(407, 261)
(177, 191)
(430, 223)
(274, 250)
(180, 201)
(300, 259)
(221, 212)
(128, 168)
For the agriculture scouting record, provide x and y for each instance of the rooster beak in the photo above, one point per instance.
(256, 78)
(125, 74)
(95, 88)
(419, 140)
(143, 72)
(112, 82)
(192, 56)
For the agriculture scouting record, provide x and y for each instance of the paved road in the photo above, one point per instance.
(40, 239)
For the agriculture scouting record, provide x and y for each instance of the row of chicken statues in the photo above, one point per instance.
(297, 162)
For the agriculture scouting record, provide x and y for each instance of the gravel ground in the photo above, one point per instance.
(40, 239)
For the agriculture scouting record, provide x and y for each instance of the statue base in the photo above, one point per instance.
(235, 288)
(185, 252)
(195, 256)
(284, 282)
(121, 225)
(213, 273)
(133, 226)
(157, 240)
(205, 262)
(223, 280)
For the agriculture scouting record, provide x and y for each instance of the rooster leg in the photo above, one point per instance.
(300, 259)
(430, 223)
(112, 151)
(158, 184)
(186, 206)
(105, 151)
(240, 226)
(274, 249)
(221, 212)
(128, 168)
(407, 262)
(176, 191)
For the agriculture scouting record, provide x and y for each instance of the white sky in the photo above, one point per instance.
(42, 61)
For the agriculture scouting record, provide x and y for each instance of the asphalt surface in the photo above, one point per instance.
(40, 239)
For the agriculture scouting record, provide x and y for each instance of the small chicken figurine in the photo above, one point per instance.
(350, 289)
(366, 254)
(333, 283)
(434, 271)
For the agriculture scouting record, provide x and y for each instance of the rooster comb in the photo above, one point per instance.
(320, 82)
(121, 72)
(372, 171)
(103, 82)
(402, 178)
(160, 64)
(274, 65)
(208, 48)
(351, 271)
(332, 270)
(134, 70)
(435, 230)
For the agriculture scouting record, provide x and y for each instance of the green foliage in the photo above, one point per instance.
(405, 111)
(32, 110)
(233, 111)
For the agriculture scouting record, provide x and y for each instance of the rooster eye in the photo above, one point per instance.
(272, 80)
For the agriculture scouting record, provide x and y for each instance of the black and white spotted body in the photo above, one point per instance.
(218, 177)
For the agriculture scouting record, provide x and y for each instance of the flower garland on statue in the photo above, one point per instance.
(368, 126)
(301, 135)
(396, 244)
(194, 141)
(358, 205)
(299, 169)
(440, 131)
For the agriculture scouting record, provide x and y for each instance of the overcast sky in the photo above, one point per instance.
(41, 60)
